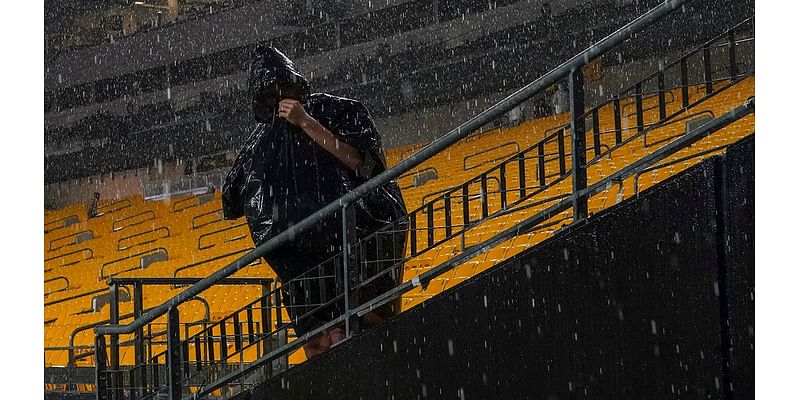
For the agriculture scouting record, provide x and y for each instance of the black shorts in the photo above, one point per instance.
(312, 266)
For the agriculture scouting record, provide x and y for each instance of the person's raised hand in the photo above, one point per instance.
(293, 112)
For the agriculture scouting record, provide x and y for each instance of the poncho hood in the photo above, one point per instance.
(270, 69)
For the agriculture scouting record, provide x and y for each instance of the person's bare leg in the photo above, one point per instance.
(370, 320)
(336, 335)
(317, 345)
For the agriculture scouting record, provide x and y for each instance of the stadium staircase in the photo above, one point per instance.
(478, 202)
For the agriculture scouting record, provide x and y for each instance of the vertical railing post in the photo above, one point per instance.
(174, 375)
(140, 378)
(523, 180)
(412, 231)
(465, 206)
(101, 376)
(662, 100)
(502, 188)
(223, 342)
(707, 69)
(116, 376)
(539, 168)
(639, 108)
(617, 121)
(684, 82)
(349, 268)
(282, 337)
(578, 127)
(484, 197)
(431, 224)
(732, 55)
(562, 153)
(266, 315)
(596, 132)
(448, 217)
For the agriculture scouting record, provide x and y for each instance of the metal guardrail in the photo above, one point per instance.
(428, 151)
(577, 201)
(528, 224)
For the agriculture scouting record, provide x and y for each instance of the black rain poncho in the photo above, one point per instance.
(281, 176)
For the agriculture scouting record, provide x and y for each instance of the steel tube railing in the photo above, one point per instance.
(414, 160)
(469, 253)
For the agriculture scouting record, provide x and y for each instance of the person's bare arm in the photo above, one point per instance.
(294, 112)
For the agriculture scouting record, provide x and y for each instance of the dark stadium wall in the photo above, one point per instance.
(626, 305)
(738, 176)
(433, 122)
(430, 118)
(397, 130)
(226, 30)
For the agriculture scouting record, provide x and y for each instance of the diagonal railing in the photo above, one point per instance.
(570, 68)
(236, 376)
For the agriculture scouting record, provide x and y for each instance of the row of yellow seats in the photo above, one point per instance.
(480, 233)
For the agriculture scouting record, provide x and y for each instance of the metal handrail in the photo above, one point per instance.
(225, 380)
(473, 251)
(172, 282)
(662, 123)
(428, 151)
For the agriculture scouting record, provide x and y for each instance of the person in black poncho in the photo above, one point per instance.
(307, 150)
